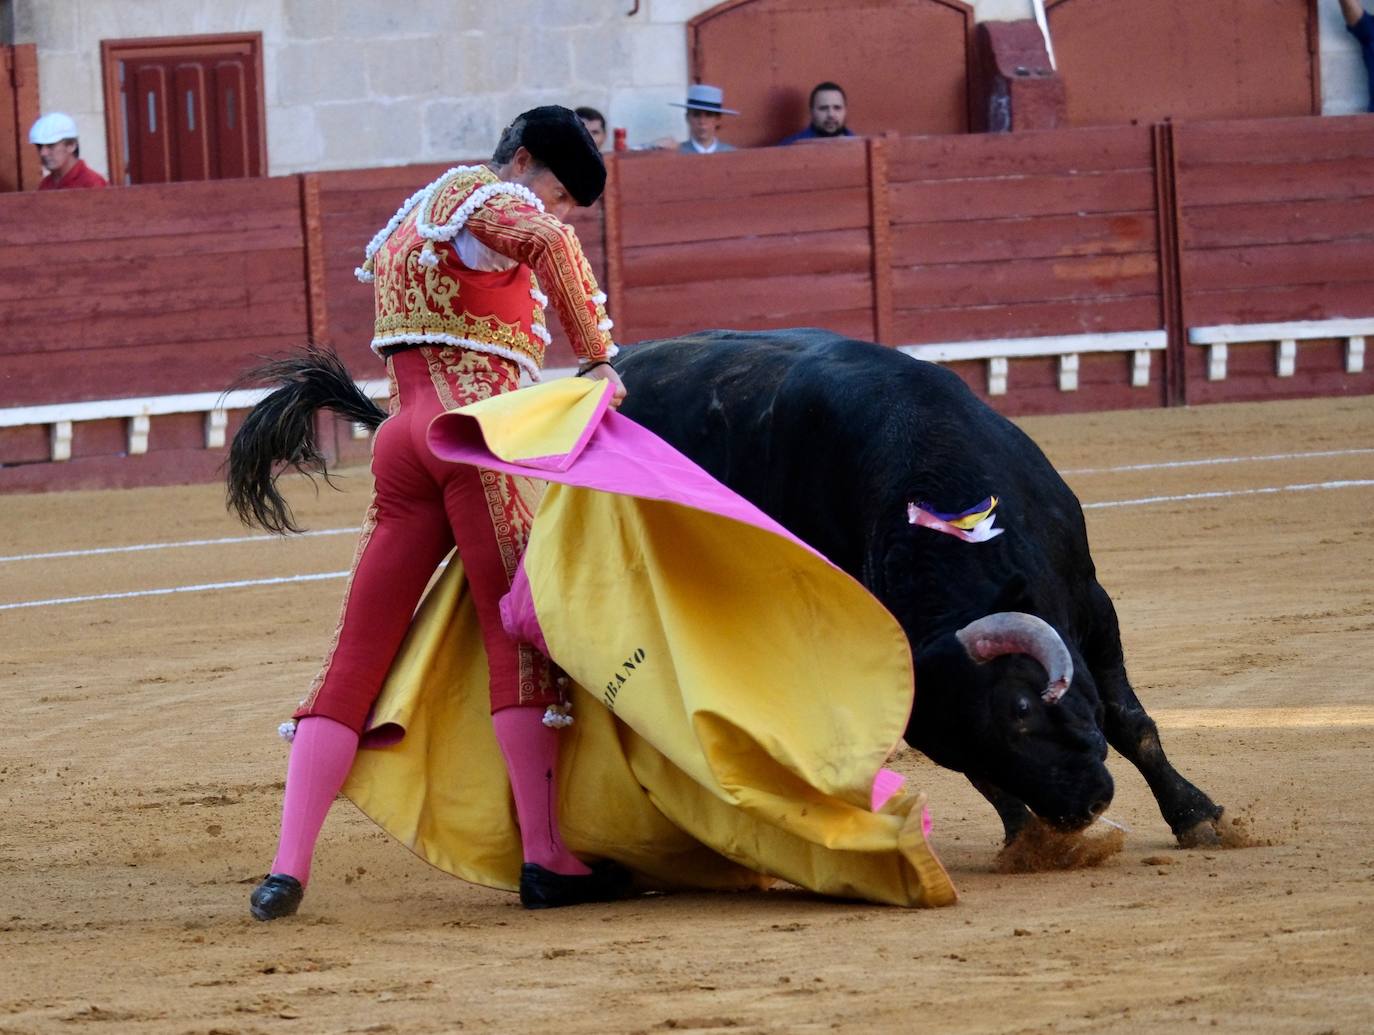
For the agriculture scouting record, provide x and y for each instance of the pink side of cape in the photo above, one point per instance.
(613, 454)
(618, 456)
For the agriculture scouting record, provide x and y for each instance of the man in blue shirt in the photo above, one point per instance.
(1361, 25)
(828, 112)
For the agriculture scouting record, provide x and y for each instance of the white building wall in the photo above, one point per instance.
(355, 83)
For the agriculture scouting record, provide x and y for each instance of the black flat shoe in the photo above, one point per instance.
(544, 889)
(277, 896)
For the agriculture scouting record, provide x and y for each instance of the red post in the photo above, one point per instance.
(317, 309)
(880, 229)
(1170, 248)
(615, 260)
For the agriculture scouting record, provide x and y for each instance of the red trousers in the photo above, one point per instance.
(421, 508)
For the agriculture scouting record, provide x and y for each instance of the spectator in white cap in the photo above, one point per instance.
(705, 106)
(60, 152)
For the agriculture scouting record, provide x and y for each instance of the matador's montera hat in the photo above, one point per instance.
(556, 137)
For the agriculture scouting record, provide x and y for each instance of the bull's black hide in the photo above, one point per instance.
(833, 438)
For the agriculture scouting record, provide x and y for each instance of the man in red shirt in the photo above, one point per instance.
(60, 152)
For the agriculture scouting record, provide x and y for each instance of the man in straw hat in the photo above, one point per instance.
(705, 106)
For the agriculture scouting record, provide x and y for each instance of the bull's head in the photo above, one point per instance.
(999, 701)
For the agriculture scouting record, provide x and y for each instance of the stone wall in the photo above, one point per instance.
(351, 83)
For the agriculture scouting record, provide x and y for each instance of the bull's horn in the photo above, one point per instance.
(1013, 632)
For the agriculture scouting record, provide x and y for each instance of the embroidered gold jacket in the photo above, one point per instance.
(461, 263)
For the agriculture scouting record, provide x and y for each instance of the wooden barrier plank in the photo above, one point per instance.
(1036, 400)
(1280, 265)
(1035, 153)
(167, 433)
(854, 323)
(24, 445)
(1320, 370)
(1023, 238)
(1293, 180)
(653, 179)
(142, 314)
(218, 206)
(1253, 140)
(948, 200)
(161, 369)
(834, 251)
(176, 467)
(1026, 280)
(389, 177)
(1221, 226)
(673, 222)
(774, 297)
(116, 253)
(1280, 304)
(170, 283)
(1026, 319)
(185, 327)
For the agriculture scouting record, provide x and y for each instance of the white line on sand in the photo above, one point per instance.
(97, 551)
(1310, 487)
(1225, 493)
(201, 588)
(1211, 461)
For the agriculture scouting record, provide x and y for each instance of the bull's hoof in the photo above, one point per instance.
(1224, 831)
(1201, 835)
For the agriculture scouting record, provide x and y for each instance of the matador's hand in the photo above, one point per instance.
(606, 372)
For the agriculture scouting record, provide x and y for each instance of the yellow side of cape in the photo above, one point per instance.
(735, 697)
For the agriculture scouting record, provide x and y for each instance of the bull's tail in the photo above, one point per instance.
(279, 432)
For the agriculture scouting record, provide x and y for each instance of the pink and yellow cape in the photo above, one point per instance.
(735, 694)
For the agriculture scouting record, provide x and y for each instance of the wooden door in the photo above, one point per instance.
(903, 63)
(184, 110)
(1186, 59)
(19, 165)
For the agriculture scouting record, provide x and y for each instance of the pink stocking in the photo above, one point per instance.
(531, 752)
(321, 756)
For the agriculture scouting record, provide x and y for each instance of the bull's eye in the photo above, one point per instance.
(1023, 707)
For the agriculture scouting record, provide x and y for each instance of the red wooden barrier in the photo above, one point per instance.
(140, 292)
(750, 239)
(1029, 235)
(172, 288)
(177, 288)
(1276, 222)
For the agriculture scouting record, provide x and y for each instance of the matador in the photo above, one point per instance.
(459, 277)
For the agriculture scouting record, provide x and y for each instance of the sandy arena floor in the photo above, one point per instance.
(140, 777)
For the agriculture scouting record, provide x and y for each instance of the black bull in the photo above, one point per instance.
(833, 438)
